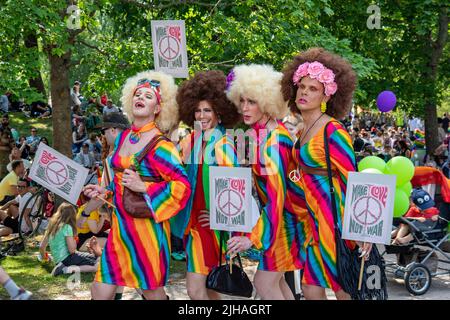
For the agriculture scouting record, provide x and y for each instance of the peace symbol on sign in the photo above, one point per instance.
(230, 202)
(367, 210)
(56, 173)
(169, 47)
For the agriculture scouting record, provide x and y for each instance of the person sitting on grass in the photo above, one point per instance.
(91, 227)
(63, 246)
(8, 186)
(422, 210)
(11, 211)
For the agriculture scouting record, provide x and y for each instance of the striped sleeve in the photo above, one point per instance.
(342, 155)
(167, 198)
(266, 230)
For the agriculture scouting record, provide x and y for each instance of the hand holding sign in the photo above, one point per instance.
(93, 191)
(364, 248)
(238, 244)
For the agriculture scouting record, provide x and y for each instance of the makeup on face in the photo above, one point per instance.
(144, 101)
(205, 114)
(310, 94)
(251, 112)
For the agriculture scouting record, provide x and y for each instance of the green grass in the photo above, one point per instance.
(22, 124)
(35, 276)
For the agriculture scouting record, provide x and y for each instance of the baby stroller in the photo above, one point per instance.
(418, 262)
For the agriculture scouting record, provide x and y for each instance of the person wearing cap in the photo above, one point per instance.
(111, 126)
(137, 252)
(422, 210)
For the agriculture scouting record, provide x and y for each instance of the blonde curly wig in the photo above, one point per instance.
(168, 117)
(260, 83)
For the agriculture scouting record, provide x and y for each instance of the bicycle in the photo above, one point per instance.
(38, 203)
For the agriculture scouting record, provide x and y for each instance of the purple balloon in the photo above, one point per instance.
(386, 101)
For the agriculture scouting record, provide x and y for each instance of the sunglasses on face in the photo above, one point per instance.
(103, 130)
(153, 83)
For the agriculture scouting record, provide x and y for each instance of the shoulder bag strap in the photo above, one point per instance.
(330, 175)
(150, 146)
(220, 252)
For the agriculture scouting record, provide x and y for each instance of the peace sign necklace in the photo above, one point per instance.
(304, 136)
(295, 175)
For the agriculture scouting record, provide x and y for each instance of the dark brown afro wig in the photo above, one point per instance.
(209, 86)
(340, 103)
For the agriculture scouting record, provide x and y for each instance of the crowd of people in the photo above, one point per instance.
(154, 187)
(383, 138)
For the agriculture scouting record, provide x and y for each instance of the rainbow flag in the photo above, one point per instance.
(428, 175)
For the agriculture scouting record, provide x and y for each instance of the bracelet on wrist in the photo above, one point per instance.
(84, 214)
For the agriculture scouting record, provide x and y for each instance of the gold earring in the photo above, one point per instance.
(323, 107)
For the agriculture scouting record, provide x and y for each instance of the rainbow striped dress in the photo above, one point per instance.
(202, 244)
(137, 251)
(277, 230)
(320, 246)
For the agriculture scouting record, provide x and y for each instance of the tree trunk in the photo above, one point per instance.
(431, 132)
(436, 48)
(60, 92)
(36, 82)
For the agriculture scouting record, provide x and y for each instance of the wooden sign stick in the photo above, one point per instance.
(361, 272)
(231, 264)
(107, 202)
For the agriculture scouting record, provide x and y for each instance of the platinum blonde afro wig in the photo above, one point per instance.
(168, 117)
(260, 83)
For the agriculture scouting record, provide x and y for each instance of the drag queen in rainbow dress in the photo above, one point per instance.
(137, 251)
(204, 106)
(319, 85)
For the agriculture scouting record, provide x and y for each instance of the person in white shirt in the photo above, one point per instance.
(110, 107)
(86, 158)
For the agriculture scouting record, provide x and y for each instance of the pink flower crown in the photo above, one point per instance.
(317, 71)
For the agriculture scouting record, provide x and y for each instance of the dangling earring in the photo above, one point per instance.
(323, 107)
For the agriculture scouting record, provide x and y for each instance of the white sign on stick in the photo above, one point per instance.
(230, 192)
(169, 47)
(369, 207)
(57, 173)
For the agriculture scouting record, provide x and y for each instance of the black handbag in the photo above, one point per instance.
(348, 263)
(235, 283)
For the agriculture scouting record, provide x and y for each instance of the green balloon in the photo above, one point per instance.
(401, 203)
(407, 187)
(372, 162)
(371, 170)
(402, 167)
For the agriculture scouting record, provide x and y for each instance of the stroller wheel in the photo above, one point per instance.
(417, 279)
